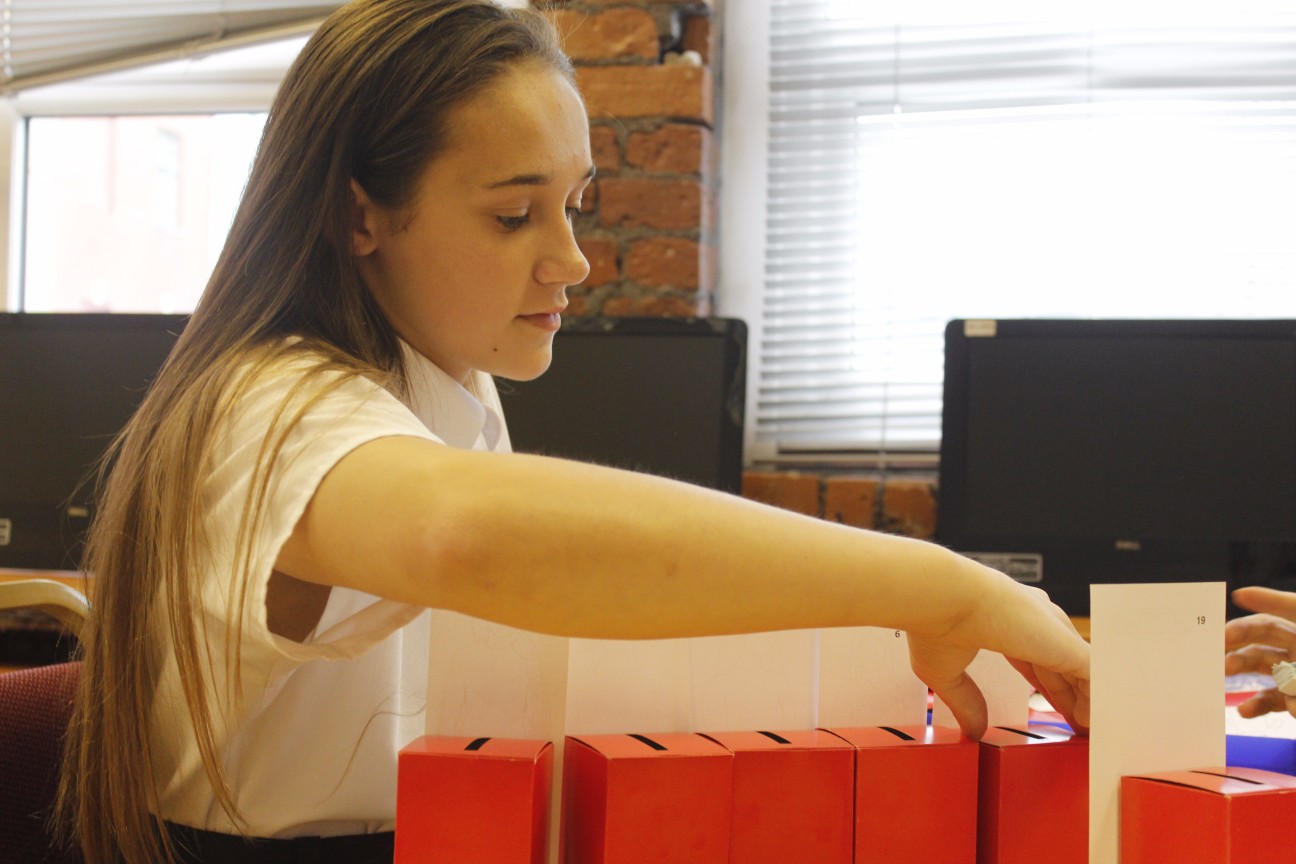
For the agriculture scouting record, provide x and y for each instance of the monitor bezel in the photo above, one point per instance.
(60, 526)
(731, 333)
(1071, 563)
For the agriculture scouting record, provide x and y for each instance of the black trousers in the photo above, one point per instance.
(195, 846)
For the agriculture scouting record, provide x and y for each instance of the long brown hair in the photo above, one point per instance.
(367, 99)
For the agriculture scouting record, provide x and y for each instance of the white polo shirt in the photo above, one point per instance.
(310, 747)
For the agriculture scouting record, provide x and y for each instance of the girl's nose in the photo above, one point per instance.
(563, 263)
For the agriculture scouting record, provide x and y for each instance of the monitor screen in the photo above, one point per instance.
(68, 384)
(1087, 451)
(660, 395)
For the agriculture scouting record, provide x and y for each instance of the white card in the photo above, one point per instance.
(1006, 692)
(754, 682)
(1157, 697)
(486, 679)
(616, 687)
(865, 679)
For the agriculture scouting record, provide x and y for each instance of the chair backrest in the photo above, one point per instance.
(60, 601)
(35, 706)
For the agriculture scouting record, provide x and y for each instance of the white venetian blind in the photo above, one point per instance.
(45, 41)
(919, 172)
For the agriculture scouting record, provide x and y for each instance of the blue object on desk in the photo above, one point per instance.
(1270, 754)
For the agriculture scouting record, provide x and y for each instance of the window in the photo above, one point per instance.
(128, 213)
(124, 183)
(909, 170)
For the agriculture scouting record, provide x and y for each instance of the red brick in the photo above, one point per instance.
(577, 303)
(656, 306)
(851, 501)
(676, 262)
(605, 149)
(909, 508)
(676, 148)
(602, 253)
(637, 202)
(677, 91)
(613, 34)
(697, 36)
(790, 490)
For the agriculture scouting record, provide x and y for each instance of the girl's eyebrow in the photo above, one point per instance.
(533, 180)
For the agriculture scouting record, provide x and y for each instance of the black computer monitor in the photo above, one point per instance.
(659, 395)
(1076, 452)
(652, 394)
(68, 384)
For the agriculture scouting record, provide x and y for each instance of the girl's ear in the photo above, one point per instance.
(364, 221)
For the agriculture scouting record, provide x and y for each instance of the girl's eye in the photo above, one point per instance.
(573, 212)
(513, 223)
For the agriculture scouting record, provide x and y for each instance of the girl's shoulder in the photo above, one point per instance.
(294, 365)
(280, 384)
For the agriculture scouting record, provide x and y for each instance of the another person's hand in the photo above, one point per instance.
(1035, 635)
(1256, 642)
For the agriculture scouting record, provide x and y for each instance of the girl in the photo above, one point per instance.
(323, 458)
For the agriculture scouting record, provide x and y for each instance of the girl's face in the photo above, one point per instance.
(473, 274)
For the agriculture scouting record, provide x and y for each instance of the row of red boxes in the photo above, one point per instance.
(839, 796)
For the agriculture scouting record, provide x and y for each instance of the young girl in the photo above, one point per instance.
(323, 458)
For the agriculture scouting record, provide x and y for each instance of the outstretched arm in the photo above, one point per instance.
(562, 547)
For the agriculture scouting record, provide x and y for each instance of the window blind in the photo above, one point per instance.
(1063, 168)
(45, 41)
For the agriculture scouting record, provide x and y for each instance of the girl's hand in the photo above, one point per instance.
(1021, 623)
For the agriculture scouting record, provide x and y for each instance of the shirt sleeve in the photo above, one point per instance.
(320, 418)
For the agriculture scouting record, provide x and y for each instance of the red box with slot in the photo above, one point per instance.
(915, 794)
(473, 801)
(628, 799)
(1033, 801)
(1210, 816)
(793, 797)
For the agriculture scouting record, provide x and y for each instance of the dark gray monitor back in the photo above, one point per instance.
(1086, 451)
(68, 384)
(651, 394)
(659, 395)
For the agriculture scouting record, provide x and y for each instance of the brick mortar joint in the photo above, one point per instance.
(633, 235)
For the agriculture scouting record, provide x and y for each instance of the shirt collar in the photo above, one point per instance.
(446, 407)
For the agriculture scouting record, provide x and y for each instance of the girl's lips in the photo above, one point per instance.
(549, 321)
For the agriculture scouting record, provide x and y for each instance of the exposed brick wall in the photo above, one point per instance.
(647, 225)
(897, 506)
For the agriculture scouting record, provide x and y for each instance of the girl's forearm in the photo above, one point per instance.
(566, 548)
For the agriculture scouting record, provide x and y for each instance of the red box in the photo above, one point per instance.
(629, 799)
(473, 801)
(793, 797)
(915, 794)
(1033, 802)
(1211, 816)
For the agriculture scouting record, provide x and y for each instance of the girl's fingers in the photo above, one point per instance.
(966, 702)
(1068, 696)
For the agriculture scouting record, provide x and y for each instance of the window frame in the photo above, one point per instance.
(744, 190)
(743, 232)
(211, 84)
